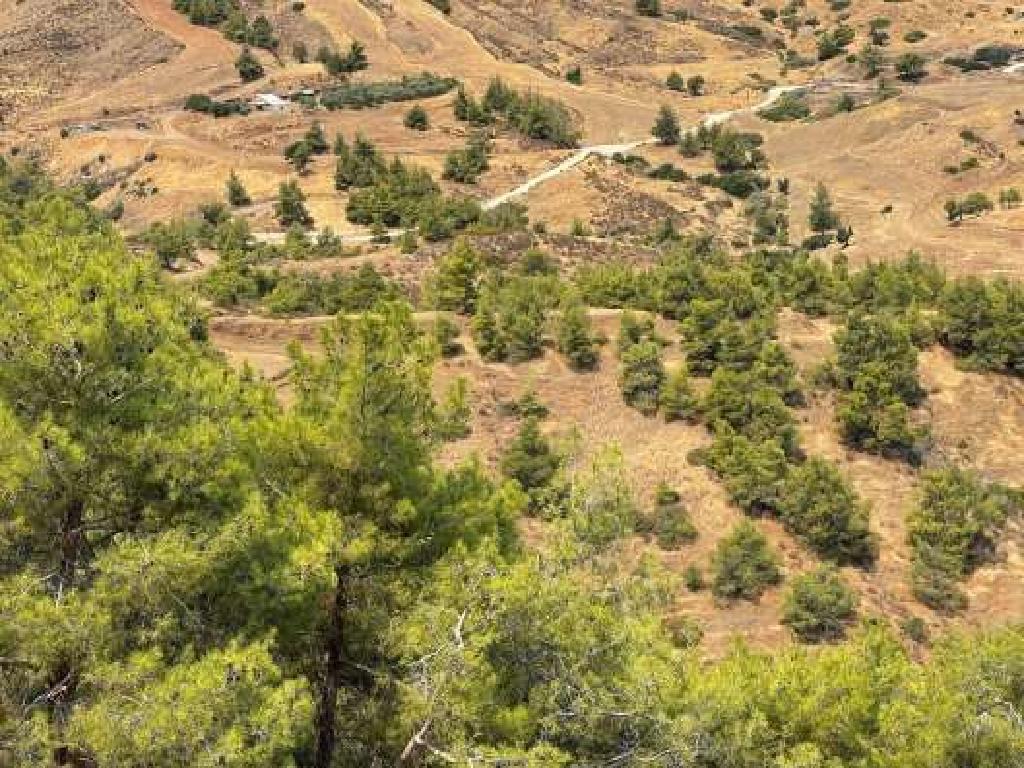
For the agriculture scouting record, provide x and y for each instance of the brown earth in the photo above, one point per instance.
(127, 65)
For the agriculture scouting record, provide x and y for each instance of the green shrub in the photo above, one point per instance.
(693, 578)
(454, 414)
(248, 66)
(788, 107)
(820, 507)
(648, 7)
(529, 459)
(417, 119)
(744, 563)
(676, 398)
(574, 335)
(641, 376)
(362, 95)
(819, 606)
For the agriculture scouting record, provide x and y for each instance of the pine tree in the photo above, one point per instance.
(316, 140)
(529, 459)
(455, 285)
(575, 337)
(819, 606)
(299, 154)
(291, 205)
(417, 119)
(822, 216)
(248, 66)
(237, 195)
(454, 416)
(677, 400)
(744, 564)
(641, 376)
(666, 127)
(487, 334)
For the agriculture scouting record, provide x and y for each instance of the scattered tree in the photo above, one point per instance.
(745, 565)
(237, 195)
(819, 606)
(666, 127)
(291, 205)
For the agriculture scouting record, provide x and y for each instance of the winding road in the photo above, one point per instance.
(579, 157)
(583, 154)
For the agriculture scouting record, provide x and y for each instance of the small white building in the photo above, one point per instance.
(269, 102)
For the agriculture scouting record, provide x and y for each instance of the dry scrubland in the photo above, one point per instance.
(122, 63)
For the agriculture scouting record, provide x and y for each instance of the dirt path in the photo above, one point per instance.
(577, 159)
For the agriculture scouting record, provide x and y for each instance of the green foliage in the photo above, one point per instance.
(574, 335)
(819, 605)
(745, 565)
(416, 119)
(641, 376)
(466, 165)
(634, 329)
(510, 319)
(290, 207)
(354, 60)
(529, 458)
(193, 574)
(981, 322)
(750, 407)
(752, 472)
(208, 13)
(299, 154)
(446, 334)
(669, 522)
(676, 397)
(360, 165)
(666, 128)
(236, 193)
(363, 95)
(455, 415)
(248, 66)
(575, 75)
(954, 529)
(974, 204)
(877, 371)
(455, 285)
(820, 507)
(398, 195)
(648, 7)
(832, 43)
(615, 286)
(200, 102)
(822, 216)
(675, 81)
(534, 116)
(311, 294)
(600, 507)
(788, 107)
(910, 67)
(734, 151)
(172, 242)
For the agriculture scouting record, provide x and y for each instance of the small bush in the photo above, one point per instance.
(416, 119)
(819, 606)
(744, 563)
